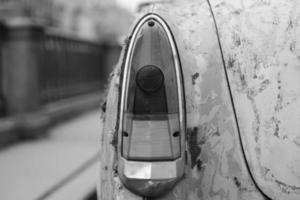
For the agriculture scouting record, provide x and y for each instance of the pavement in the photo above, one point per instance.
(61, 165)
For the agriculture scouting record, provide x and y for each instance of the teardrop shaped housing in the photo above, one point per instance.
(152, 121)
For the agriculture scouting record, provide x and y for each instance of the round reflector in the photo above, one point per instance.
(149, 78)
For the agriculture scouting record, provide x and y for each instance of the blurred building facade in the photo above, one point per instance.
(98, 20)
(55, 59)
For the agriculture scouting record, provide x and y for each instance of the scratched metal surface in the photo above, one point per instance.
(261, 46)
(263, 72)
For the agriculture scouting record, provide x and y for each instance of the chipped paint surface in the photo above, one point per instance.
(216, 166)
(260, 41)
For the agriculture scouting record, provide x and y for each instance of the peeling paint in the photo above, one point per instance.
(194, 148)
(194, 77)
(263, 77)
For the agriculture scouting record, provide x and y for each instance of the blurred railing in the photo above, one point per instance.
(40, 66)
(69, 67)
(2, 104)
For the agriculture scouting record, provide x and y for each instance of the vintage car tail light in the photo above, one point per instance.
(151, 141)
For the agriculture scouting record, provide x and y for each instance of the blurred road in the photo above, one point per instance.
(62, 165)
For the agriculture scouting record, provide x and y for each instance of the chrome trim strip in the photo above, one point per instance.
(150, 170)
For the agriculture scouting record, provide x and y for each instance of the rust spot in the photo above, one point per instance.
(276, 133)
(290, 25)
(243, 80)
(264, 85)
(115, 170)
(114, 141)
(194, 77)
(230, 63)
(278, 106)
(275, 22)
(237, 12)
(237, 182)
(237, 40)
(199, 164)
(193, 147)
(292, 46)
(103, 107)
(256, 135)
(217, 133)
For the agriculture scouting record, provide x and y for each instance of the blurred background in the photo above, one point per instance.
(55, 62)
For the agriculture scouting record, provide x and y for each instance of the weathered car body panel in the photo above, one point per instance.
(260, 41)
(262, 60)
